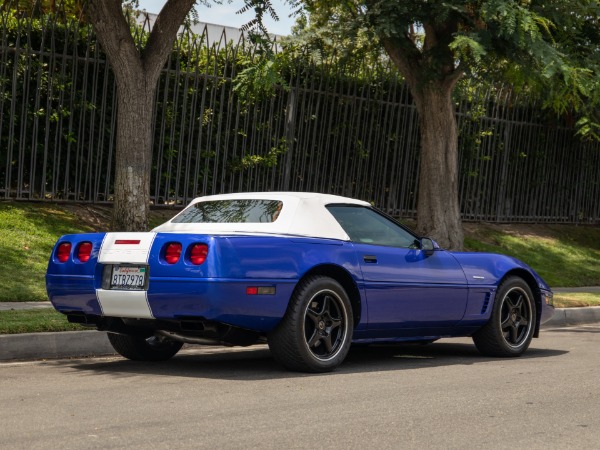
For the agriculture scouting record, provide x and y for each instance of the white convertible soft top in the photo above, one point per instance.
(302, 214)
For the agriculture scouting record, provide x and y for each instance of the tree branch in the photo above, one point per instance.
(163, 35)
(405, 55)
(112, 30)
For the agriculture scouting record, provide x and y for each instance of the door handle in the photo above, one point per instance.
(370, 259)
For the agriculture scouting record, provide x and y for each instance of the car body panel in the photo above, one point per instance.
(406, 288)
(398, 293)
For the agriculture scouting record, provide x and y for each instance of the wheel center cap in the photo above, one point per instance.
(513, 317)
(321, 325)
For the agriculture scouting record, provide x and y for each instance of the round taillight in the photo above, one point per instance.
(198, 254)
(84, 251)
(173, 252)
(64, 252)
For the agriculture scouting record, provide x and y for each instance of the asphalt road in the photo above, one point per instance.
(439, 396)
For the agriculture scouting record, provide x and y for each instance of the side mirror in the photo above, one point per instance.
(427, 246)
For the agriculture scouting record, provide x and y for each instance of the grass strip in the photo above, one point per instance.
(35, 321)
(27, 235)
(563, 255)
(574, 300)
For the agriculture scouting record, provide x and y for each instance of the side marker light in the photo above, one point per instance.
(260, 290)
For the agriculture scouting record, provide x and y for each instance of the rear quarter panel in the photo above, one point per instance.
(215, 290)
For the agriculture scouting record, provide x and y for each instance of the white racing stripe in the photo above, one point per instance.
(134, 249)
(133, 304)
(127, 248)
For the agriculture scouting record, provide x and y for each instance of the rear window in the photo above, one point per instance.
(231, 211)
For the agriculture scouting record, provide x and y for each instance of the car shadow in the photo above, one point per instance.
(256, 363)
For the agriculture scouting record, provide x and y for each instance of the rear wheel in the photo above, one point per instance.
(510, 329)
(138, 348)
(316, 331)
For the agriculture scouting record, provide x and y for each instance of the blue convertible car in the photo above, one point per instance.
(308, 273)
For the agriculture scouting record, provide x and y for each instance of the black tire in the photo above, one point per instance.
(512, 324)
(316, 331)
(138, 348)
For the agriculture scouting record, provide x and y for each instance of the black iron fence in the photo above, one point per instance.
(329, 131)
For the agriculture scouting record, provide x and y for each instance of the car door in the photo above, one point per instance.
(406, 287)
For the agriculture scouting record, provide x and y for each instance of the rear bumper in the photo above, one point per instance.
(218, 300)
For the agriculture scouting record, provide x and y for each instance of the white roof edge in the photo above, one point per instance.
(326, 198)
(303, 214)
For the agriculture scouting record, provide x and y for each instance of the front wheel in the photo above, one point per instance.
(511, 326)
(316, 331)
(139, 348)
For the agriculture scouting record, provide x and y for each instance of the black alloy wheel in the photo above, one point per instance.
(316, 331)
(515, 317)
(325, 324)
(512, 323)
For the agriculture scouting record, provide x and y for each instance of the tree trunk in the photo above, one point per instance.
(431, 75)
(438, 209)
(134, 156)
(136, 73)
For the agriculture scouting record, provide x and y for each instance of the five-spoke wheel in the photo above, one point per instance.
(324, 324)
(316, 331)
(511, 326)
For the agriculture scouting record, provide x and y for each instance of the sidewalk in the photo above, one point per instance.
(69, 344)
(20, 306)
(577, 290)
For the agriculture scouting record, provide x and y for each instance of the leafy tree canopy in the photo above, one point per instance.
(549, 47)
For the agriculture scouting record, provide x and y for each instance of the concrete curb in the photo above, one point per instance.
(564, 317)
(73, 344)
(65, 344)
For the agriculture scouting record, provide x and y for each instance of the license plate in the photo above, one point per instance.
(128, 277)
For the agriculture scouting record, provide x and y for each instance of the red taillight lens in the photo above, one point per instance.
(173, 252)
(198, 254)
(64, 252)
(84, 251)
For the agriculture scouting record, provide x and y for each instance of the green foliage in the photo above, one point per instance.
(260, 7)
(64, 9)
(267, 160)
(562, 255)
(336, 33)
(467, 47)
(27, 234)
(575, 300)
(35, 321)
(51, 98)
(589, 127)
(206, 135)
(549, 48)
(259, 80)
